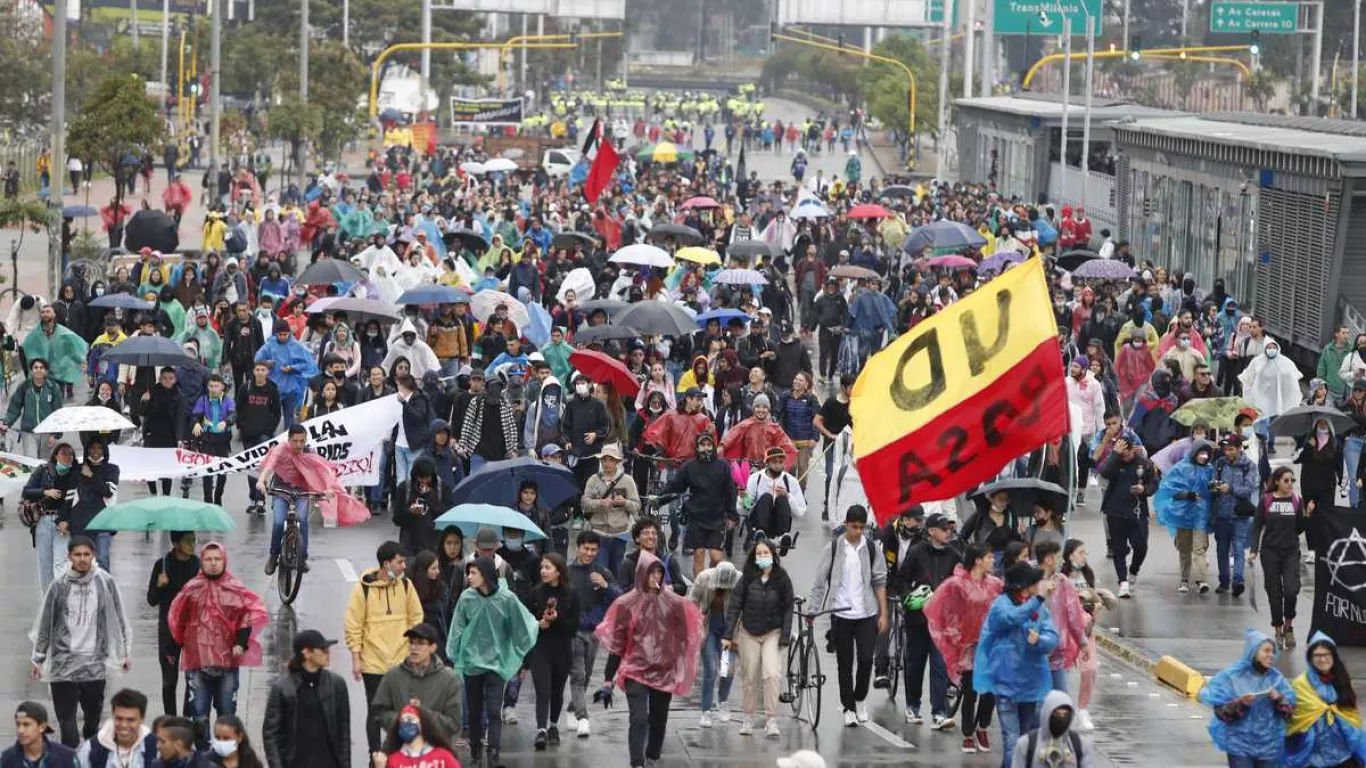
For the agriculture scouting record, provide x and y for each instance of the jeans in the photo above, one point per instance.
(249, 441)
(850, 634)
(484, 691)
(649, 716)
(89, 694)
(46, 542)
(1017, 717)
(277, 532)
(289, 408)
(375, 493)
(711, 663)
(205, 690)
(584, 653)
(1351, 453)
(920, 649)
(612, 550)
(1127, 533)
(1059, 680)
(1238, 761)
(168, 656)
(403, 463)
(1230, 541)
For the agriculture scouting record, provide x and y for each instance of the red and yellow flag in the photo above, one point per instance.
(949, 403)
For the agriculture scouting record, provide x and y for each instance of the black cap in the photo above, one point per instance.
(311, 638)
(1022, 576)
(424, 632)
(35, 712)
(938, 520)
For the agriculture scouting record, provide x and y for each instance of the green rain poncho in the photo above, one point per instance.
(557, 357)
(210, 345)
(359, 223)
(63, 350)
(177, 314)
(490, 633)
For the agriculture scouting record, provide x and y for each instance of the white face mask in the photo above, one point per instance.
(581, 390)
(1271, 353)
(223, 747)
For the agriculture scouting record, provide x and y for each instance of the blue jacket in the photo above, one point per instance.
(58, 756)
(1243, 480)
(1005, 663)
(1330, 740)
(1229, 322)
(872, 310)
(1257, 730)
(1176, 509)
(294, 355)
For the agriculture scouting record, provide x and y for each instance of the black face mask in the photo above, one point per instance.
(1060, 721)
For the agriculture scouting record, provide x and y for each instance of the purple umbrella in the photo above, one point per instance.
(1104, 269)
(952, 262)
(997, 262)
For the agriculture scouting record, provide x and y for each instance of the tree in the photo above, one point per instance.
(336, 79)
(885, 89)
(1185, 74)
(26, 216)
(120, 121)
(25, 90)
(1260, 87)
(297, 123)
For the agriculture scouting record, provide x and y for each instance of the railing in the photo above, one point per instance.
(1351, 317)
(1095, 190)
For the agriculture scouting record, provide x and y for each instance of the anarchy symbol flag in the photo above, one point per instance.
(1340, 577)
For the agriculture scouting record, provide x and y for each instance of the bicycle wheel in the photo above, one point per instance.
(814, 681)
(792, 690)
(289, 574)
(896, 639)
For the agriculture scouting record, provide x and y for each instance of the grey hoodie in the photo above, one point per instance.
(1045, 743)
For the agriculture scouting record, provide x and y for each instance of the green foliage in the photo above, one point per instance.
(1260, 87)
(884, 86)
(1185, 74)
(32, 215)
(119, 118)
(25, 90)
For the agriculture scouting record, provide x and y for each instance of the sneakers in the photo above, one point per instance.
(571, 722)
(1280, 638)
(1221, 589)
(784, 544)
(1084, 722)
(583, 730)
(850, 719)
(723, 713)
(941, 723)
(881, 682)
(509, 715)
(861, 710)
(747, 727)
(1081, 498)
(303, 566)
(983, 740)
(1238, 589)
(1125, 590)
(541, 739)
(913, 717)
(1203, 587)
(1184, 588)
(705, 721)
(553, 735)
(969, 745)
(1289, 636)
(771, 729)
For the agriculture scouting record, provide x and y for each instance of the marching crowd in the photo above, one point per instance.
(652, 346)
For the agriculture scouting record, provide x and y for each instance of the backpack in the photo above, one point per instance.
(1033, 745)
(99, 755)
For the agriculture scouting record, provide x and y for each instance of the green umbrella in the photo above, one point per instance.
(163, 513)
(1218, 412)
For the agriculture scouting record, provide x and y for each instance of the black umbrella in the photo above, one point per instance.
(597, 333)
(749, 249)
(573, 240)
(121, 301)
(328, 271)
(1073, 259)
(657, 318)
(151, 229)
(676, 231)
(1025, 492)
(466, 239)
(148, 350)
(610, 306)
(897, 190)
(1299, 421)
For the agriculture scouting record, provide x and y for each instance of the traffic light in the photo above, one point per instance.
(1256, 47)
(1135, 47)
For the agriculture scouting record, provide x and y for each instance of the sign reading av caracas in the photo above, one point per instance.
(949, 403)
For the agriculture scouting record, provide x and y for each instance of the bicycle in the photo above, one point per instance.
(290, 569)
(896, 648)
(803, 678)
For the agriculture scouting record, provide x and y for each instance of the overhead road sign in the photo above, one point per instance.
(1272, 18)
(1045, 17)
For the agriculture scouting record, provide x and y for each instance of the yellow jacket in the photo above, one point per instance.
(376, 618)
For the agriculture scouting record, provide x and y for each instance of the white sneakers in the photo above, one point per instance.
(571, 722)
(1124, 590)
(941, 723)
(850, 719)
(771, 729)
(746, 727)
(1084, 722)
(509, 715)
(705, 721)
(723, 713)
(861, 712)
(912, 717)
(1183, 588)
(583, 730)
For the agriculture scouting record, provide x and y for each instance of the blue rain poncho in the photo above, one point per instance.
(1005, 663)
(1175, 508)
(1321, 732)
(1256, 730)
(290, 354)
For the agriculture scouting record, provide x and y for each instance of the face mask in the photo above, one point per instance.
(1271, 353)
(656, 409)
(63, 468)
(1230, 311)
(1136, 344)
(391, 574)
(764, 563)
(581, 390)
(1247, 431)
(223, 747)
(1324, 431)
(408, 731)
(1058, 722)
(99, 291)
(513, 544)
(1184, 343)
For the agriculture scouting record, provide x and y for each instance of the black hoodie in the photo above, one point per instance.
(258, 409)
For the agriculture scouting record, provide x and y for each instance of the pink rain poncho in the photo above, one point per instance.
(656, 634)
(1070, 620)
(205, 617)
(955, 614)
(311, 472)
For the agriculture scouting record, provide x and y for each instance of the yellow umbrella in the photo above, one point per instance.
(698, 255)
(665, 152)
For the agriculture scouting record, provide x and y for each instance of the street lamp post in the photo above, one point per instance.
(1066, 104)
(1356, 53)
(1086, 113)
(215, 80)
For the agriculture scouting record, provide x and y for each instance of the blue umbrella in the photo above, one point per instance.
(391, 115)
(538, 330)
(498, 482)
(943, 234)
(811, 208)
(78, 212)
(723, 315)
(433, 293)
(469, 518)
(121, 301)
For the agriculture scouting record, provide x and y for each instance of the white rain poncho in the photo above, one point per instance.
(846, 487)
(1271, 382)
(82, 631)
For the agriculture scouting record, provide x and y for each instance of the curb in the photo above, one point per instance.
(1167, 670)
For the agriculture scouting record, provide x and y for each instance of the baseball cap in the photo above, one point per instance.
(775, 453)
(487, 538)
(35, 712)
(937, 520)
(693, 392)
(1234, 440)
(551, 450)
(423, 632)
(311, 638)
(1022, 576)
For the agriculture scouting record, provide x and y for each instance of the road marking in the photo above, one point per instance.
(888, 736)
(348, 571)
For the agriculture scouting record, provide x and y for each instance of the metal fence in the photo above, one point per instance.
(24, 155)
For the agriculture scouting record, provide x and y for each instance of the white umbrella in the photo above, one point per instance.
(472, 167)
(83, 418)
(500, 164)
(811, 208)
(485, 302)
(355, 308)
(580, 281)
(643, 254)
(740, 277)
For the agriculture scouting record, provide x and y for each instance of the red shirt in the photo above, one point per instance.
(437, 758)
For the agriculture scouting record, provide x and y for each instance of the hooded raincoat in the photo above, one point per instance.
(956, 614)
(1253, 730)
(1072, 752)
(1183, 498)
(1271, 383)
(82, 631)
(1005, 663)
(293, 355)
(1321, 732)
(657, 635)
(490, 632)
(208, 616)
(63, 349)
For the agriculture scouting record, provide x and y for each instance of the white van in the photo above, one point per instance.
(559, 162)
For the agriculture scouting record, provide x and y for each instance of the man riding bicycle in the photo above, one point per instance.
(774, 498)
(284, 460)
(710, 506)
